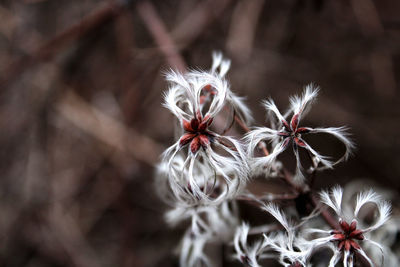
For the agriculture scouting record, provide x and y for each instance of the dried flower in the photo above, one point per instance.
(208, 224)
(196, 98)
(192, 250)
(293, 250)
(202, 174)
(176, 190)
(220, 66)
(291, 132)
(385, 235)
(351, 234)
(290, 249)
(245, 253)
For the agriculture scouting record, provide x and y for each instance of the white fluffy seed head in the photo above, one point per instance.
(342, 134)
(278, 215)
(383, 208)
(220, 166)
(220, 66)
(333, 199)
(208, 224)
(247, 253)
(280, 136)
(186, 92)
(206, 178)
(184, 96)
(302, 104)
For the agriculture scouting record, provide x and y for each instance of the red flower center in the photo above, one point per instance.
(292, 131)
(245, 260)
(346, 237)
(197, 133)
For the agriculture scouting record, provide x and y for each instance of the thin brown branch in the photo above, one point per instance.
(250, 200)
(288, 178)
(125, 45)
(160, 34)
(242, 124)
(50, 48)
(65, 229)
(191, 27)
(325, 213)
(275, 197)
(230, 124)
(108, 130)
(265, 228)
(243, 28)
(226, 144)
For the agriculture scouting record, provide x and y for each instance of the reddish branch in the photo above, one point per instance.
(325, 214)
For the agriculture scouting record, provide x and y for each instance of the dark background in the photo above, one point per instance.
(82, 123)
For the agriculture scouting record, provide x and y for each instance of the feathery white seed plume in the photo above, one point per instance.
(287, 132)
(210, 159)
(352, 236)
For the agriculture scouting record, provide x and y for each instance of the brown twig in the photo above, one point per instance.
(284, 196)
(251, 200)
(50, 48)
(190, 28)
(243, 28)
(125, 44)
(225, 144)
(325, 213)
(242, 124)
(265, 228)
(108, 130)
(230, 124)
(160, 34)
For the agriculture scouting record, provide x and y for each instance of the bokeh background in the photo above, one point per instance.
(82, 124)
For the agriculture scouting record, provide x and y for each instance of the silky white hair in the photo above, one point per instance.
(333, 199)
(299, 107)
(223, 163)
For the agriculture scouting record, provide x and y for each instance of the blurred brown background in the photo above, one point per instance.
(82, 124)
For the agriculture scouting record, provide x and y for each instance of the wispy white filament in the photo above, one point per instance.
(333, 199)
(285, 132)
(195, 174)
